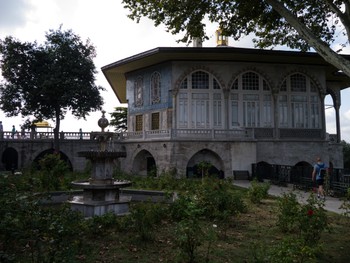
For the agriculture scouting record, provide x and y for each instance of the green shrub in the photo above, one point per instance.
(52, 172)
(345, 206)
(144, 218)
(218, 199)
(258, 191)
(30, 232)
(288, 212)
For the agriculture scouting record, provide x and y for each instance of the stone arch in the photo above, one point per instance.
(192, 168)
(63, 157)
(264, 170)
(199, 68)
(144, 164)
(300, 169)
(321, 89)
(10, 159)
(255, 70)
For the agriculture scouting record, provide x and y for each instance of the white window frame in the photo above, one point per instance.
(200, 108)
(303, 105)
(250, 105)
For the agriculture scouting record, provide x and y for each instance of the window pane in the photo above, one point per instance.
(250, 81)
(183, 110)
(215, 84)
(184, 84)
(200, 80)
(235, 85)
(283, 111)
(267, 111)
(155, 121)
(139, 123)
(234, 113)
(298, 83)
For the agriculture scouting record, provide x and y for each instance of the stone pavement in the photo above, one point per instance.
(331, 204)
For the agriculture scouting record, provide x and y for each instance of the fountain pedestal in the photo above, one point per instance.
(101, 193)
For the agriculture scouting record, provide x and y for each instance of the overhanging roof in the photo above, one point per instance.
(115, 72)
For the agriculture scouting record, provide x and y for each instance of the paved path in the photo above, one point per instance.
(331, 203)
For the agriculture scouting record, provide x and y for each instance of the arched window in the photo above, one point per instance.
(155, 88)
(250, 102)
(138, 86)
(200, 102)
(299, 103)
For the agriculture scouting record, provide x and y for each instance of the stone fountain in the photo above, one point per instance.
(101, 193)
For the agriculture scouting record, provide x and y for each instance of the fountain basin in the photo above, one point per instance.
(102, 184)
(90, 208)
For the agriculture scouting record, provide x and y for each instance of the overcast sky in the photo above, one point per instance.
(115, 37)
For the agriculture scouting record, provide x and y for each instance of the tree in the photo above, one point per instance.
(45, 81)
(119, 119)
(297, 24)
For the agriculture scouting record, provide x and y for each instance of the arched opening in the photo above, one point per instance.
(63, 157)
(205, 162)
(144, 164)
(299, 170)
(264, 170)
(10, 159)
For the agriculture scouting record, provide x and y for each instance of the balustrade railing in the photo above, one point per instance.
(44, 135)
(183, 134)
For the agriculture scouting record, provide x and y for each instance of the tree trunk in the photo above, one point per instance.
(321, 47)
(56, 133)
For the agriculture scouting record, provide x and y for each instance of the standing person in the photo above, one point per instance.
(319, 173)
(80, 134)
(1, 130)
(13, 132)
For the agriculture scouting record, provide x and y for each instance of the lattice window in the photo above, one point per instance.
(252, 105)
(299, 103)
(155, 121)
(250, 81)
(184, 84)
(139, 123)
(200, 102)
(235, 85)
(298, 83)
(216, 84)
(155, 87)
(200, 80)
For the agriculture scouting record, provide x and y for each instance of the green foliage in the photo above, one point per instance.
(308, 221)
(291, 250)
(144, 219)
(204, 167)
(100, 225)
(45, 81)
(52, 171)
(295, 24)
(189, 236)
(288, 212)
(345, 206)
(119, 119)
(302, 225)
(165, 181)
(185, 206)
(243, 17)
(30, 232)
(258, 191)
(218, 199)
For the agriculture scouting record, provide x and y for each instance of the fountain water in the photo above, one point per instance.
(101, 193)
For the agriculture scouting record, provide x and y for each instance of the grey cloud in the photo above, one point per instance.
(13, 13)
